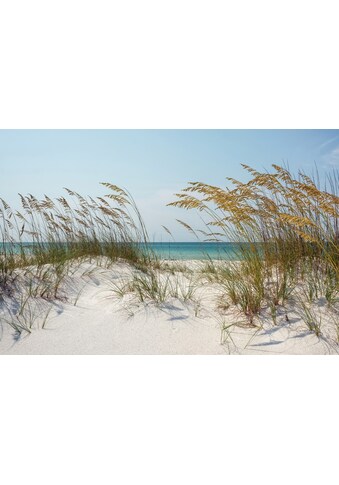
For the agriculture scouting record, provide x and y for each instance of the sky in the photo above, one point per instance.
(152, 164)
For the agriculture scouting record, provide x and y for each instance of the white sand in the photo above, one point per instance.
(102, 323)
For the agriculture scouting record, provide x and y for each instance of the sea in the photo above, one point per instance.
(178, 250)
(196, 250)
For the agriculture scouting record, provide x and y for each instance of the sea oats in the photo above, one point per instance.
(115, 188)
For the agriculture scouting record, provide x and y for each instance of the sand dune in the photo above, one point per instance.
(89, 318)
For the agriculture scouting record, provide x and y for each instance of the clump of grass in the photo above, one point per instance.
(156, 286)
(286, 230)
(150, 287)
(29, 314)
(55, 231)
(311, 318)
(46, 239)
(210, 270)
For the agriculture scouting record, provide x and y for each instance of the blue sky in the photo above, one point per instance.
(152, 164)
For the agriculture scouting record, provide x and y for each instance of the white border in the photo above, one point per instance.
(178, 64)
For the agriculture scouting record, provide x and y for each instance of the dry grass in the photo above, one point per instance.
(287, 230)
(45, 240)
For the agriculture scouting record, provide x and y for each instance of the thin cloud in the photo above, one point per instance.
(328, 142)
(332, 158)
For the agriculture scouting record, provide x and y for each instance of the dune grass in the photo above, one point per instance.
(54, 231)
(288, 230)
(157, 285)
(45, 240)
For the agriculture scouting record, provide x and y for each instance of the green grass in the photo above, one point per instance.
(155, 286)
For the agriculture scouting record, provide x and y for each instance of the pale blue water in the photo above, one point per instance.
(179, 250)
(196, 250)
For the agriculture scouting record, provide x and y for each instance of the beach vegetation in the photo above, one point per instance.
(286, 229)
(44, 241)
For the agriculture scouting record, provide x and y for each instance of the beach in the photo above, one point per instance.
(264, 279)
(90, 317)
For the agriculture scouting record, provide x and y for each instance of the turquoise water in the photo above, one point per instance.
(181, 250)
(196, 250)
